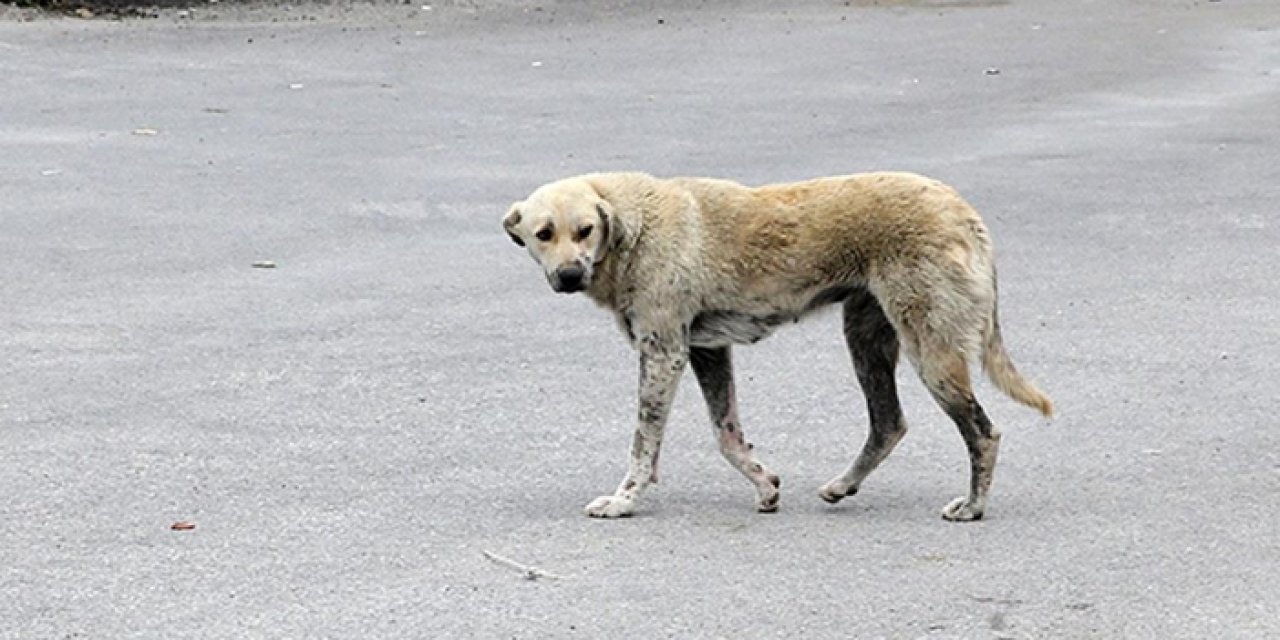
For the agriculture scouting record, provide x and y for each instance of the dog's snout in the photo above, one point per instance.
(570, 279)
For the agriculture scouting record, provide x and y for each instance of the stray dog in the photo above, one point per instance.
(692, 266)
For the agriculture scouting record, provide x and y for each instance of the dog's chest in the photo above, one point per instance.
(724, 328)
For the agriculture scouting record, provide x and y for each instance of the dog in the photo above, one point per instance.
(691, 267)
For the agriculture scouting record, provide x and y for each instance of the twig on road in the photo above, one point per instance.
(526, 571)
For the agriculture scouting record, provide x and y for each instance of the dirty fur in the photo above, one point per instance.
(692, 266)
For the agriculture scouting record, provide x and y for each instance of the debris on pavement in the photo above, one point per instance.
(528, 572)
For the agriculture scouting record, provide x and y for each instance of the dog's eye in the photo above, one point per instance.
(544, 235)
(584, 232)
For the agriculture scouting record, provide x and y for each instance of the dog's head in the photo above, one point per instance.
(565, 226)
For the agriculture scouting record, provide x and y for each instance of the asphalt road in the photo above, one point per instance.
(351, 430)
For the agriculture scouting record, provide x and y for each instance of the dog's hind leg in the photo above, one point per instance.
(946, 374)
(873, 344)
(714, 370)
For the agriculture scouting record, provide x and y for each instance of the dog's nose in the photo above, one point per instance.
(569, 279)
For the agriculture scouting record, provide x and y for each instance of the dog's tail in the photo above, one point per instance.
(1000, 369)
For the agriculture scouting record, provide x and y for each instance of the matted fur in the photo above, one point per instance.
(691, 266)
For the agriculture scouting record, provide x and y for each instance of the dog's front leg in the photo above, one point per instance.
(660, 369)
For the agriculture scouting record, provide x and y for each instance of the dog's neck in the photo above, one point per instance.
(625, 229)
(604, 290)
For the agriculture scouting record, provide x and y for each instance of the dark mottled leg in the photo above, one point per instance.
(873, 344)
(714, 369)
(660, 371)
(947, 376)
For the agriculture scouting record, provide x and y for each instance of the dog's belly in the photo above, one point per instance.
(724, 328)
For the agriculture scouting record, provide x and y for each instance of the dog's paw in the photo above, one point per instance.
(769, 496)
(835, 491)
(610, 507)
(960, 510)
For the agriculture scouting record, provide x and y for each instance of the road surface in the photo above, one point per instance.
(351, 430)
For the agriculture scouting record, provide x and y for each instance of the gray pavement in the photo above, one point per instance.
(351, 430)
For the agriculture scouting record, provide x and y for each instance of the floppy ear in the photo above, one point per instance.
(509, 224)
(608, 233)
(614, 224)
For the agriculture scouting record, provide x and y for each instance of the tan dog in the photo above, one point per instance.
(691, 266)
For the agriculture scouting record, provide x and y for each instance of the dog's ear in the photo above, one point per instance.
(509, 223)
(608, 232)
(614, 223)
